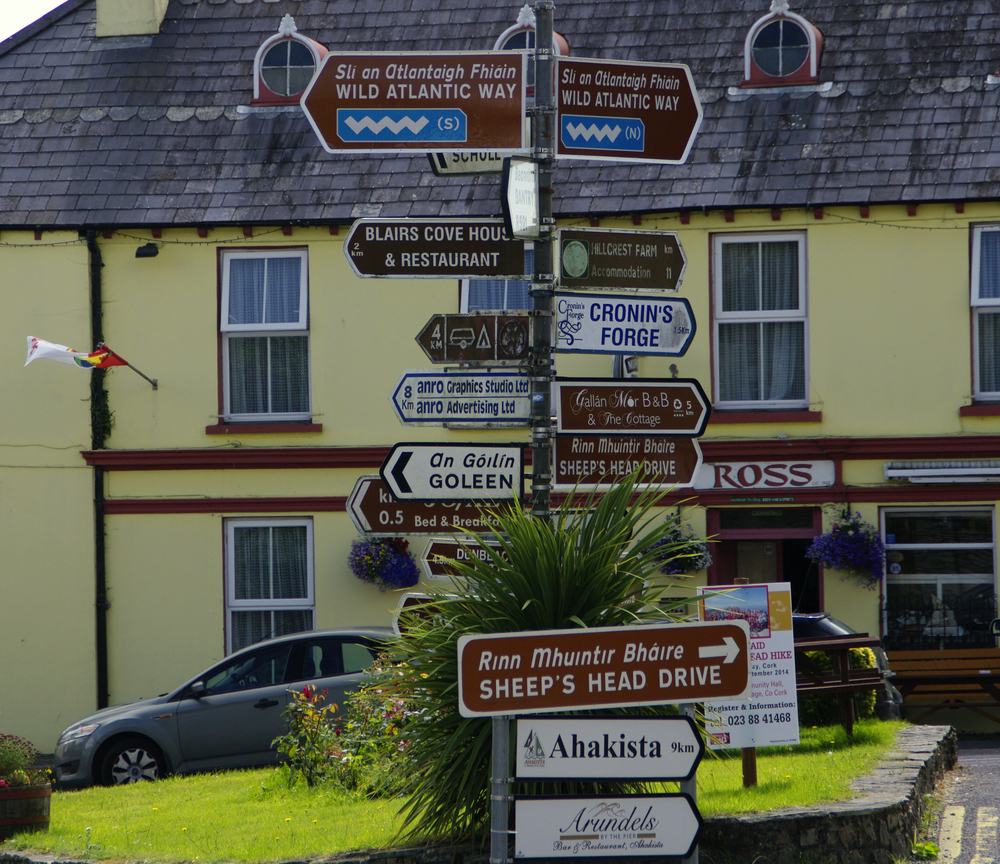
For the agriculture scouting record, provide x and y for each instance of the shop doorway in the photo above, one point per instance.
(768, 545)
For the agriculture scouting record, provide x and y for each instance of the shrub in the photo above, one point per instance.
(373, 739)
(311, 744)
(17, 755)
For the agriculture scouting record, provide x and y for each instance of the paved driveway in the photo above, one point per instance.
(967, 829)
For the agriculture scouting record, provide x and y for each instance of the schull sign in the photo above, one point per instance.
(548, 671)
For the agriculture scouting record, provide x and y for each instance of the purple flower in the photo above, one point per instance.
(385, 562)
(852, 545)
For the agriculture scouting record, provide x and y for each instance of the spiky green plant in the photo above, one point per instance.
(585, 568)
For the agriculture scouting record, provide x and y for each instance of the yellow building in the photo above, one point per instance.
(838, 213)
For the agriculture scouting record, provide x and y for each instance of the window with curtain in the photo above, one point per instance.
(265, 320)
(510, 295)
(269, 579)
(759, 305)
(986, 311)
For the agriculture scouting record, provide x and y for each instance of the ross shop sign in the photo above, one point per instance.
(804, 474)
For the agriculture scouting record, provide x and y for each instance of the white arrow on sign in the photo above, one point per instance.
(454, 472)
(579, 826)
(729, 651)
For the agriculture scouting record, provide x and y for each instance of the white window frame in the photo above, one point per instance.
(799, 314)
(298, 327)
(465, 286)
(980, 305)
(939, 580)
(296, 604)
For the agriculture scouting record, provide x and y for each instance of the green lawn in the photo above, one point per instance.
(250, 816)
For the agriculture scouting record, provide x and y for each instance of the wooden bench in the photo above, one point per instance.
(955, 678)
(841, 681)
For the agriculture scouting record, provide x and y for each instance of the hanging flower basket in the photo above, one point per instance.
(851, 545)
(682, 552)
(384, 562)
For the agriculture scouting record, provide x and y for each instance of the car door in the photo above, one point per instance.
(233, 722)
(337, 665)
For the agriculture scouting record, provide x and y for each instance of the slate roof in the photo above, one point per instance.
(149, 131)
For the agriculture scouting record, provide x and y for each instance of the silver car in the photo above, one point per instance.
(226, 717)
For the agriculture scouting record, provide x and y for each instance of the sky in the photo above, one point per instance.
(17, 14)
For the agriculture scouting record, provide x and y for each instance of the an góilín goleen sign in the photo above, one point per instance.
(454, 472)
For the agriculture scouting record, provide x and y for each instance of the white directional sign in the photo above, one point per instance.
(520, 197)
(432, 398)
(612, 748)
(454, 472)
(588, 827)
(623, 324)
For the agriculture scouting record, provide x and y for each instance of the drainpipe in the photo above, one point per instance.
(100, 426)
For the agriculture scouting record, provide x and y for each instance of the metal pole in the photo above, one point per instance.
(690, 786)
(543, 284)
(500, 792)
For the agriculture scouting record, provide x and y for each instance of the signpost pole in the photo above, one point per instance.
(543, 284)
(500, 792)
(690, 786)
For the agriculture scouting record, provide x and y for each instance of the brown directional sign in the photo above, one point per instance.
(648, 406)
(600, 461)
(434, 249)
(546, 671)
(625, 111)
(441, 554)
(490, 339)
(419, 102)
(637, 260)
(373, 510)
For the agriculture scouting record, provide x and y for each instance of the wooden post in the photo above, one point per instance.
(749, 753)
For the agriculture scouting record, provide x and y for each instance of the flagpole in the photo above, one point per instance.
(129, 365)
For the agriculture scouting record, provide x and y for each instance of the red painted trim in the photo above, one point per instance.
(140, 507)
(722, 416)
(239, 459)
(714, 450)
(931, 494)
(261, 428)
(980, 409)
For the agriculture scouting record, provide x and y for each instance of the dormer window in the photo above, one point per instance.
(521, 37)
(781, 49)
(284, 66)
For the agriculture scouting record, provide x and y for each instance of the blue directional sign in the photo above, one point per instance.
(433, 125)
(433, 398)
(612, 134)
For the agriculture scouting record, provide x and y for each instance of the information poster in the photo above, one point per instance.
(770, 714)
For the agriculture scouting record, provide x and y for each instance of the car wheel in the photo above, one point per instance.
(132, 760)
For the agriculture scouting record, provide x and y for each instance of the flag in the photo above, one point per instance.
(102, 358)
(50, 351)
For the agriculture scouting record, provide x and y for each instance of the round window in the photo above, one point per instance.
(287, 67)
(780, 48)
